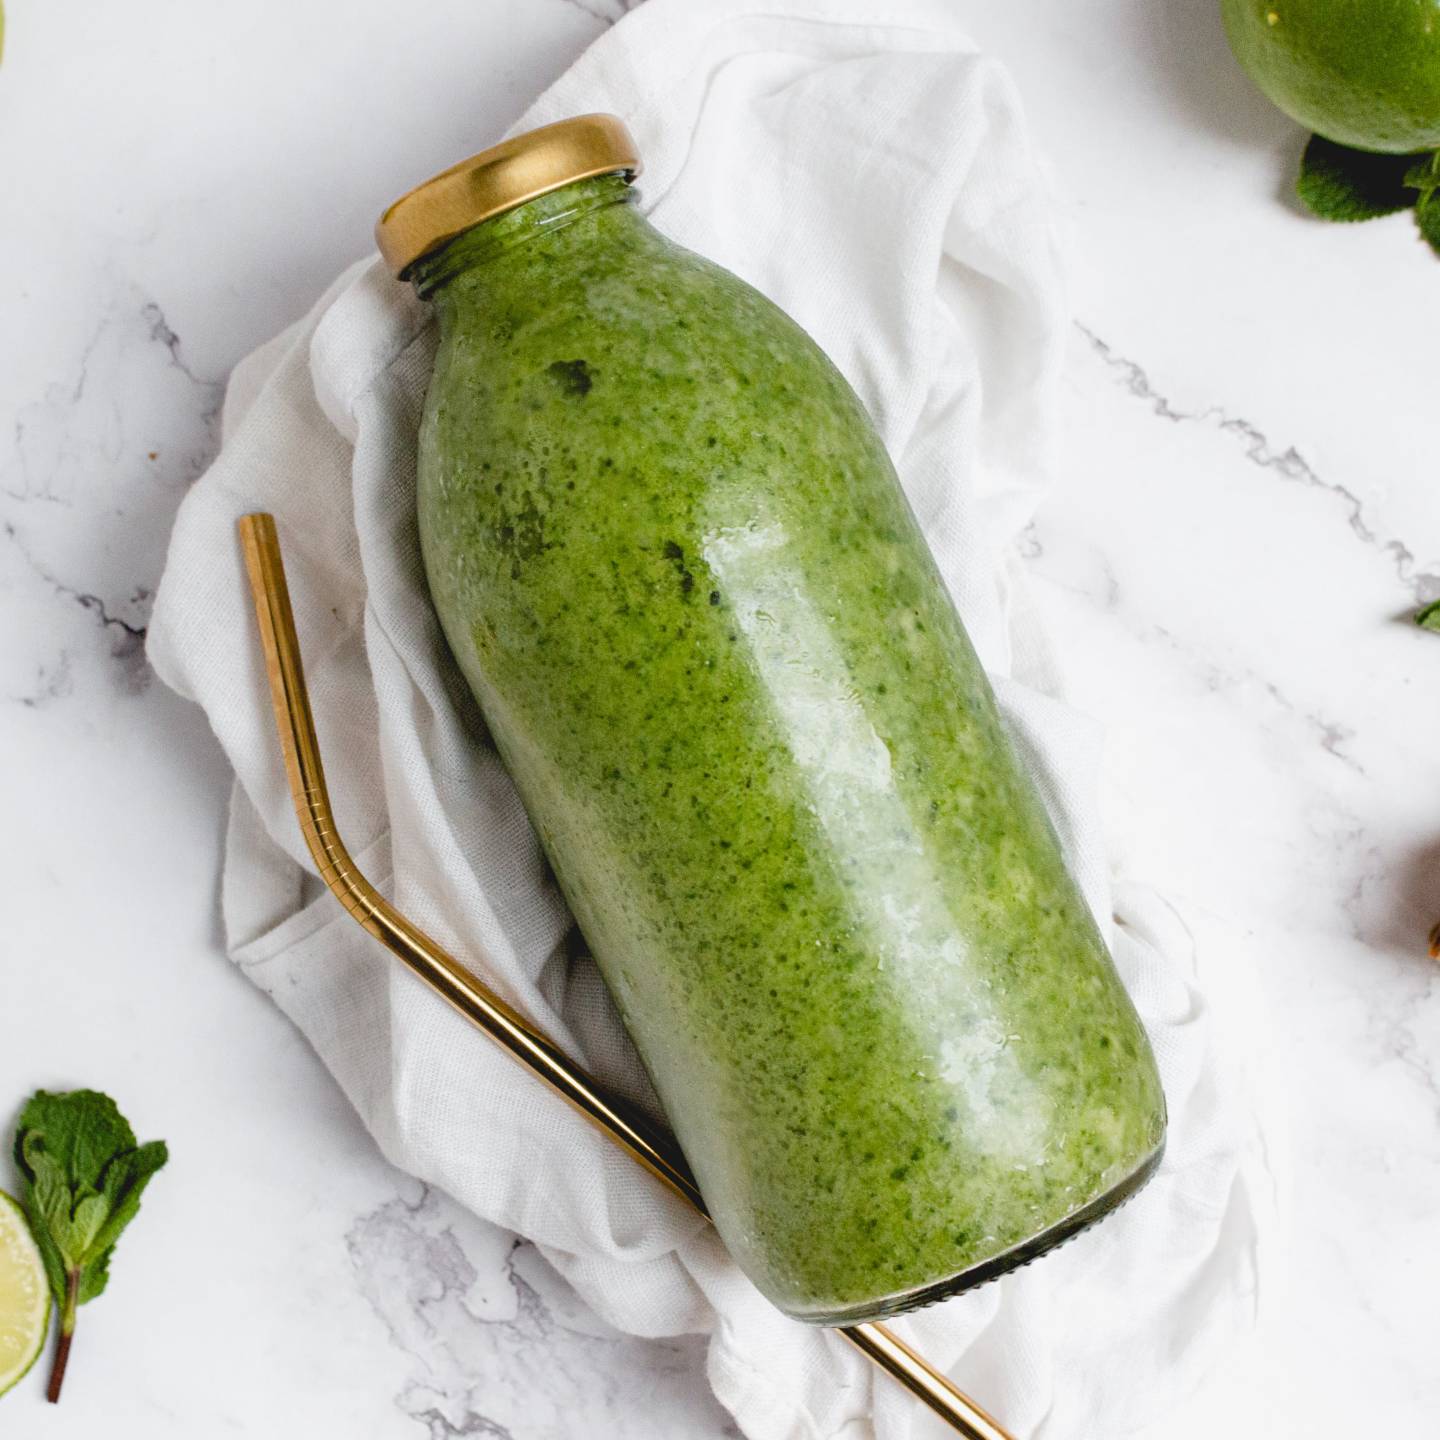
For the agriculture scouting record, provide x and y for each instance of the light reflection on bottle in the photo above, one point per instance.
(897, 894)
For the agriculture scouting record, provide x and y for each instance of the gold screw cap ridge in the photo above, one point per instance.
(499, 179)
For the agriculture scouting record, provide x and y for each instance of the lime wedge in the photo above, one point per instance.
(24, 1296)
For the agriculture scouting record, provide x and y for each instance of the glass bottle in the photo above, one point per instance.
(677, 569)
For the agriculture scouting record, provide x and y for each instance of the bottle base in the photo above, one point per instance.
(998, 1265)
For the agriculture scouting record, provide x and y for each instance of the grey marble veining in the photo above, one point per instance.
(497, 1345)
(99, 460)
(1286, 461)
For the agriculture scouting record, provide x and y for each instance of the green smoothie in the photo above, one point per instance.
(677, 569)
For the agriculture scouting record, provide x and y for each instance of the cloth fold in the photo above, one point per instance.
(875, 179)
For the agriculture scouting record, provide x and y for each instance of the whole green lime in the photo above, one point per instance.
(1364, 73)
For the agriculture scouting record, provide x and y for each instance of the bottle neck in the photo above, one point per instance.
(434, 275)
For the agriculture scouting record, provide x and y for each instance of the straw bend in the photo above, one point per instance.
(656, 1150)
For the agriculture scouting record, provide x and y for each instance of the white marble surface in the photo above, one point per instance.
(1249, 511)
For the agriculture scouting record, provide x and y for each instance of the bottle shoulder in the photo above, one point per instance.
(649, 333)
(615, 279)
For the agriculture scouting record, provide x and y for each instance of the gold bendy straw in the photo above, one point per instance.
(656, 1150)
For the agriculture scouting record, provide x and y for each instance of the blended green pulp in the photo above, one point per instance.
(677, 569)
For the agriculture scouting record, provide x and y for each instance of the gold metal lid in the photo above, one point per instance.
(501, 178)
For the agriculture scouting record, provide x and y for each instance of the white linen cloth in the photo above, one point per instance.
(875, 179)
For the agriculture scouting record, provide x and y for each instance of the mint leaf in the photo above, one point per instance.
(1424, 175)
(1338, 183)
(1429, 617)
(90, 1214)
(1427, 217)
(93, 1279)
(48, 1204)
(51, 1187)
(82, 1130)
(83, 1175)
(125, 1181)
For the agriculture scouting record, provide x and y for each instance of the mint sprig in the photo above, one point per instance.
(1338, 183)
(82, 1175)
